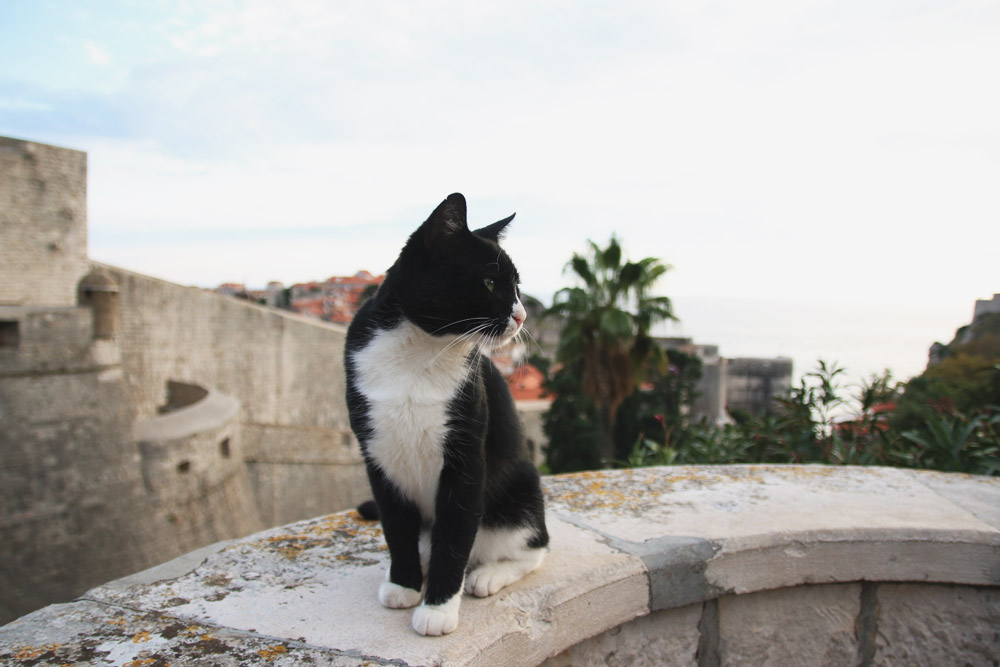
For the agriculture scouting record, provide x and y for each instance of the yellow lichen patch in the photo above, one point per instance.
(140, 637)
(140, 662)
(335, 530)
(118, 620)
(349, 524)
(272, 652)
(32, 652)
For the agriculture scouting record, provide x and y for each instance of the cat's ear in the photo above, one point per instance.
(495, 231)
(446, 222)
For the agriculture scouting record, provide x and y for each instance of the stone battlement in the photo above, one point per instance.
(665, 566)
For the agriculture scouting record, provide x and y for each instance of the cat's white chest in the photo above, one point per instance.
(409, 379)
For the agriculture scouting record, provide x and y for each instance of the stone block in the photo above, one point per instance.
(806, 625)
(667, 638)
(921, 624)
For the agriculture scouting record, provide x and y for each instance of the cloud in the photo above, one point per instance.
(765, 148)
(96, 53)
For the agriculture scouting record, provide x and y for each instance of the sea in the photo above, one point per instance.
(864, 339)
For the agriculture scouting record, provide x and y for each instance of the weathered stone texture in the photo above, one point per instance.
(310, 587)
(43, 215)
(806, 624)
(667, 638)
(285, 371)
(921, 624)
(94, 483)
(287, 491)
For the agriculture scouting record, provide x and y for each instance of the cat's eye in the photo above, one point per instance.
(489, 284)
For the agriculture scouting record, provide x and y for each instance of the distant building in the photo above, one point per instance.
(746, 384)
(938, 351)
(335, 300)
(753, 384)
(526, 383)
(984, 307)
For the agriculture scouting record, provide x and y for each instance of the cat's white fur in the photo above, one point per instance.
(500, 557)
(409, 377)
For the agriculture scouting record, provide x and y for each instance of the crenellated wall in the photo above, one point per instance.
(715, 565)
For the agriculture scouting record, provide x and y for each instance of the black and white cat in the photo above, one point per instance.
(459, 500)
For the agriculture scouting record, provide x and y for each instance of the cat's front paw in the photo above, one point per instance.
(395, 596)
(434, 620)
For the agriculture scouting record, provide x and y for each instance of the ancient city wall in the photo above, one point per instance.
(94, 481)
(285, 371)
(43, 223)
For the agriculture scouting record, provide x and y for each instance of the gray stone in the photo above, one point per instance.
(796, 626)
(309, 588)
(667, 638)
(316, 582)
(85, 633)
(937, 625)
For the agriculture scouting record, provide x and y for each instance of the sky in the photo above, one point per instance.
(772, 152)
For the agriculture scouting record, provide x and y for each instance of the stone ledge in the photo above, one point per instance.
(625, 545)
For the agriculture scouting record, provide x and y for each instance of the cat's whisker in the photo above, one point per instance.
(451, 324)
(461, 338)
(532, 339)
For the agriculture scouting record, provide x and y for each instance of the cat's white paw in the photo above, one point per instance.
(488, 579)
(395, 596)
(435, 620)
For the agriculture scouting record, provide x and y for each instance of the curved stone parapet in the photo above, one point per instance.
(660, 566)
(192, 446)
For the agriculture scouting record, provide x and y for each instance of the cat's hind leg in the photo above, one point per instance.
(500, 557)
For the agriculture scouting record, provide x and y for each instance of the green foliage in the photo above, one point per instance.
(572, 424)
(807, 429)
(606, 341)
(947, 418)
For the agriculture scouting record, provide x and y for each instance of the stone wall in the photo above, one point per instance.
(94, 481)
(832, 624)
(286, 372)
(43, 223)
(714, 565)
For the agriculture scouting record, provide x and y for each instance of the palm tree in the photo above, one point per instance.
(607, 326)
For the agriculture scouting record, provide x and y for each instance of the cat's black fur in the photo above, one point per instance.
(459, 288)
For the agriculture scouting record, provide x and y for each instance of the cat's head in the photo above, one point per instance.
(450, 280)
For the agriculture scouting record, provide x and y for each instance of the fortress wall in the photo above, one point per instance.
(78, 500)
(68, 496)
(43, 223)
(85, 493)
(286, 372)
